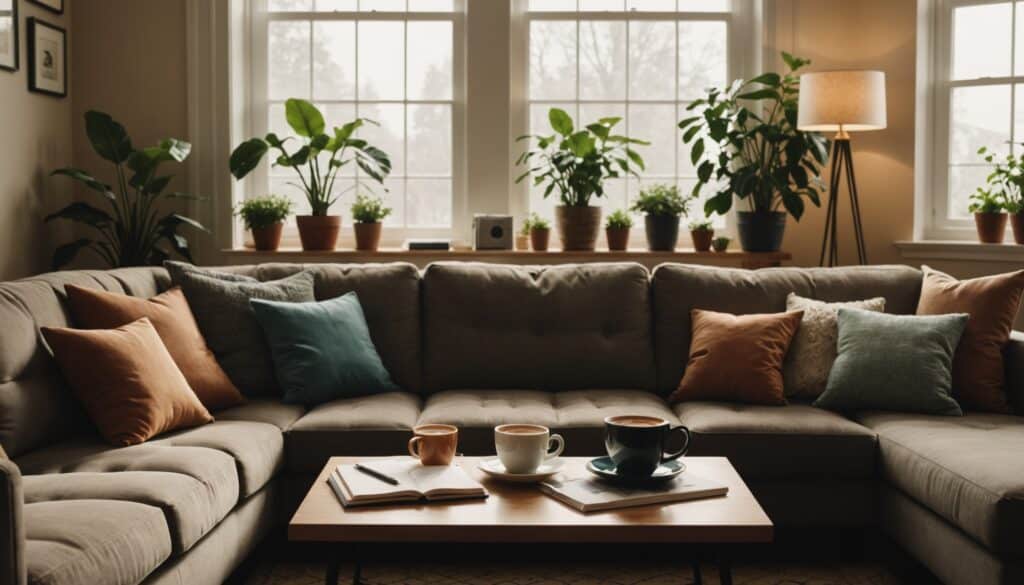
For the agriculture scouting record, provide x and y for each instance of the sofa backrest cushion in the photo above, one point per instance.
(678, 288)
(537, 327)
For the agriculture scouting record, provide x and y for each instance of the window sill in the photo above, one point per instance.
(960, 250)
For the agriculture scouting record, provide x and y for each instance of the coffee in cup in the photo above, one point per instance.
(636, 443)
(434, 444)
(523, 448)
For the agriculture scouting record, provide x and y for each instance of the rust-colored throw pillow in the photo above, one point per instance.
(737, 358)
(126, 380)
(171, 317)
(991, 302)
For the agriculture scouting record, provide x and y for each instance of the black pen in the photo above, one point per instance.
(376, 474)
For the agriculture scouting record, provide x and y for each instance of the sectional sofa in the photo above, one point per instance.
(477, 345)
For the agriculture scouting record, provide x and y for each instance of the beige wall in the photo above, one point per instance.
(36, 132)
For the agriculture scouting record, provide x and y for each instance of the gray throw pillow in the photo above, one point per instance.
(813, 350)
(177, 269)
(900, 363)
(225, 317)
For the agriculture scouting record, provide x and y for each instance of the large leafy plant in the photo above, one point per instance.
(577, 162)
(134, 232)
(744, 140)
(317, 176)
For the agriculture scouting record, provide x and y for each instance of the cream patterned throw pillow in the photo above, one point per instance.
(813, 350)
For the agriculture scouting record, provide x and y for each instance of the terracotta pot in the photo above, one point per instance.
(522, 242)
(578, 227)
(1017, 222)
(991, 227)
(702, 239)
(318, 232)
(662, 232)
(618, 238)
(367, 236)
(267, 238)
(539, 239)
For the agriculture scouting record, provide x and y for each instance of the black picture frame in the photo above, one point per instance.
(44, 4)
(17, 39)
(33, 25)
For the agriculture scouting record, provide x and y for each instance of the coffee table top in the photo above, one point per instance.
(521, 513)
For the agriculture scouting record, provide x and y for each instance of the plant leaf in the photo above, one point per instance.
(560, 121)
(64, 254)
(304, 118)
(246, 157)
(109, 139)
(86, 179)
(82, 212)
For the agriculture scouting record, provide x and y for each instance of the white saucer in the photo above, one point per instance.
(495, 469)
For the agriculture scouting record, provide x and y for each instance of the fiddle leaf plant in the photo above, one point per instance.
(577, 162)
(745, 143)
(129, 228)
(316, 175)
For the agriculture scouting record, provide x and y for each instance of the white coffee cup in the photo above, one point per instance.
(523, 448)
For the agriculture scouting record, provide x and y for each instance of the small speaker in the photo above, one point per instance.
(493, 232)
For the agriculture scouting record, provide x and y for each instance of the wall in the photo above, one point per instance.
(37, 136)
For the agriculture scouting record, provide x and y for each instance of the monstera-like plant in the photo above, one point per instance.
(130, 228)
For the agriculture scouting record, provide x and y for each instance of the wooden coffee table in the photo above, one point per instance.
(517, 513)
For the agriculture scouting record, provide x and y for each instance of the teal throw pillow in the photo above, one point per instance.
(322, 351)
(900, 363)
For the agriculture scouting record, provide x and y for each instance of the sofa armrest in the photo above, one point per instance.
(12, 527)
(1015, 371)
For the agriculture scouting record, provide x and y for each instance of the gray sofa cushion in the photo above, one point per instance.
(966, 469)
(680, 288)
(265, 410)
(550, 328)
(781, 442)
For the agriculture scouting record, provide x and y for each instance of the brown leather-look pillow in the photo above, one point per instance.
(126, 381)
(992, 302)
(171, 317)
(737, 358)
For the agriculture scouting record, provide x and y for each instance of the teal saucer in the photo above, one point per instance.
(605, 467)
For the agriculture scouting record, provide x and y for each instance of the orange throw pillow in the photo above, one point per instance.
(126, 380)
(170, 315)
(979, 375)
(737, 358)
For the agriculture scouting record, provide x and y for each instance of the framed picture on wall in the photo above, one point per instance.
(51, 5)
(47, 58)
(9, 35)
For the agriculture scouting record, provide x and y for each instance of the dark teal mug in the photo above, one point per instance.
(636, 443)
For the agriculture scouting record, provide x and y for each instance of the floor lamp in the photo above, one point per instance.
(842, 102)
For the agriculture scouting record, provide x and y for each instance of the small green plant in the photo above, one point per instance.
(701, 225)
(262, 212)
(535, 222)
(618, 220)
(662, 200)
(369, 209)
(986, 201)
(1006, 181)
(721, 244)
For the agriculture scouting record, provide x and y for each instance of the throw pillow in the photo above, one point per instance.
(171, 317)
(813, 351)
(177, 269)
(979, 376)
(322, 350)
(126, 380)
(737, 358)
(894, 362)
(222, 310)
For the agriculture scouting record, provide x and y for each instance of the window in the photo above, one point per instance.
(978, 73)
(641, 60)
(393, 61)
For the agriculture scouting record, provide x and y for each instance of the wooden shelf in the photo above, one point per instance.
(424, 257)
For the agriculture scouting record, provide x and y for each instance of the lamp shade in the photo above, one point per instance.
(831, 101)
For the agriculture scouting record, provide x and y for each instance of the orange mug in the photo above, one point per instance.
(434, 444)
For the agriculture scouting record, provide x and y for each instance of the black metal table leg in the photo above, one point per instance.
(698, 578)
(357, 572)
(332, 570)
(724, 570)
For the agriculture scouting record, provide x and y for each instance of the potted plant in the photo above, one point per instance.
(318, 231)
(661, 205)
(1007, 181)
(1015, 209)
(523, 236)
(134, 232)
(989, 217)
(539, 230)
(575, 163)
(745, 144)
(264, 217)
(368, 213)
(701, 232)
(616, 230)
(721, 244)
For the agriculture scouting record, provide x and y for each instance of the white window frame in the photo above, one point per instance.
(258, 104)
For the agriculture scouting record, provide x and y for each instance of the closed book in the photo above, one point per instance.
(591, 494)
(416, 483)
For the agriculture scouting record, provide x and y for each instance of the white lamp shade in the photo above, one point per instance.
(831, 101)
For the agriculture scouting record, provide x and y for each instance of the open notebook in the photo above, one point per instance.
(416, 483)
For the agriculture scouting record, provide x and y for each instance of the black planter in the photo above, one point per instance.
(662, 232)
(761, 231)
